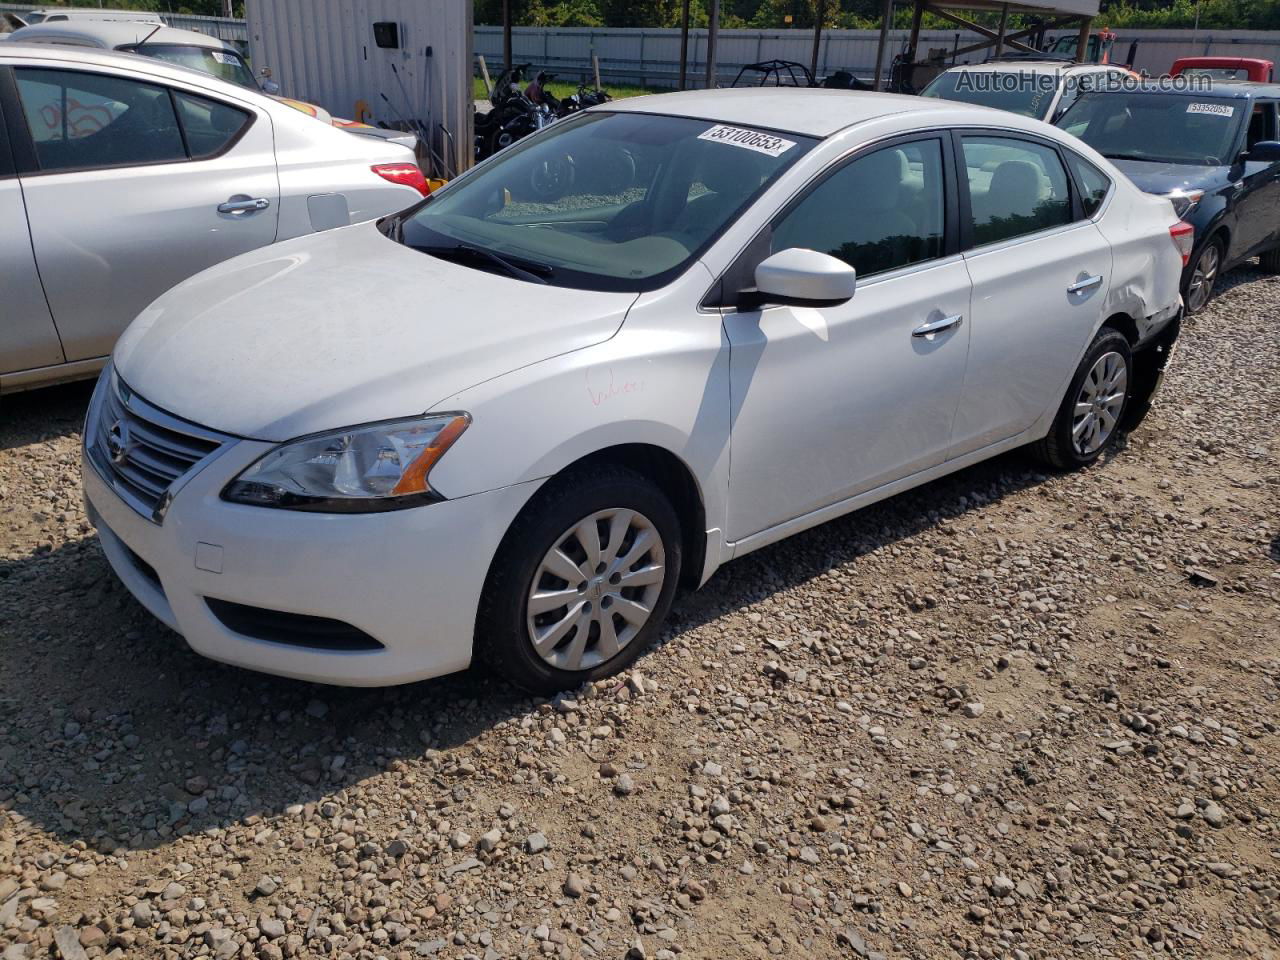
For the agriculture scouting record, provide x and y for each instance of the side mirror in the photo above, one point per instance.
(803, 277)
(270, 87)
(1264, 151)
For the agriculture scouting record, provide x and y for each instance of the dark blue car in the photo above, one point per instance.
(1215, 153)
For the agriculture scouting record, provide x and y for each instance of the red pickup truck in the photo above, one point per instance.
(1225, 68)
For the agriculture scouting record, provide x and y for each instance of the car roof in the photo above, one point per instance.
(1233, 89)
(143, 66)
(808, 111)
(1033, 65)
(117, 33)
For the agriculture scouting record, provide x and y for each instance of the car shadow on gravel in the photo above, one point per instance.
(39, 415)
(112, 731)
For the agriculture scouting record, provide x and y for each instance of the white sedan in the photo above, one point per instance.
(737, 315)
(122, 175)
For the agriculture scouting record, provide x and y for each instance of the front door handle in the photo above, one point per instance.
(1088, 283)
(937, 326)
(244, 205)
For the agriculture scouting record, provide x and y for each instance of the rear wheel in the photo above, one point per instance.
(582, 582)
(1202, 277)
(1270, 261)
(1089, 418)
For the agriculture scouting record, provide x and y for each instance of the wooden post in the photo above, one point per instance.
(595, 69)
(713, 37)
(506, 34)
(484, 72)
(684, 44)
(886, 17)
(817, 37)
(1004, 21)
(917, 14)
(1082, 45)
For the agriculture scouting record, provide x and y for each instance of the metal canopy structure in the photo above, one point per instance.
(1057, 14)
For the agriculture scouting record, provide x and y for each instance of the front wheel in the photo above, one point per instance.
(582, 581)
(1089, 418)
(1202, 277)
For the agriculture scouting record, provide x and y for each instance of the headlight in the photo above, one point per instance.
(1184, 201)
(381, 466)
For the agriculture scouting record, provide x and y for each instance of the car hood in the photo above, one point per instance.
(342, 328)
(1164, 177)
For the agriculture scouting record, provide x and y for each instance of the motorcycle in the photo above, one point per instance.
(512, 115)
(582, 99)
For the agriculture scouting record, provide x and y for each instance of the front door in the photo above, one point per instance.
(1258, 202)
(28, 338)
(132, 188)
(831, 401)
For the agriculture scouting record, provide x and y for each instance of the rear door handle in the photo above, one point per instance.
(937, 326)
(1088, 283)
(246, 205)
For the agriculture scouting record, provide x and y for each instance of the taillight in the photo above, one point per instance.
(1183, 236)
(406, 174)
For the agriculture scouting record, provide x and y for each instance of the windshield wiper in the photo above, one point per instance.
(1129, 156)
(531, 272)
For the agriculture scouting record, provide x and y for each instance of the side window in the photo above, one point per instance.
(880, 212)
(209, 125)
(1093, 183)
(1016, 187)
(87, 120)
(1262, 123)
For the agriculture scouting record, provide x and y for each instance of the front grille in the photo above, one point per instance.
(141, 450)
(295, 629)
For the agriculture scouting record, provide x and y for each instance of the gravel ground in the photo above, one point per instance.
(1007, 715)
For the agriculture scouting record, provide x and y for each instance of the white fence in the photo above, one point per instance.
(652, 57)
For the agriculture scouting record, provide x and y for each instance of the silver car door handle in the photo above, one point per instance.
(244, 206)
(937, 326)
(1088, 283)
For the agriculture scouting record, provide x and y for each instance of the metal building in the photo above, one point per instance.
(399, 63)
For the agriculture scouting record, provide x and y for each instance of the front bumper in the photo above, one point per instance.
(410, 579)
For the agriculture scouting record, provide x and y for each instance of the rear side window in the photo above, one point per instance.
(1093, 183)
(89, 120)
(882, 211)
(1016, 187)
(210, 125)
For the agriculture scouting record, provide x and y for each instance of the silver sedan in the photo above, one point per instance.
(121, 176)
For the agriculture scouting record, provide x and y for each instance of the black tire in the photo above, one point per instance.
(1058, 448)
(1270, 261)
(503, 641)
(1210, 251)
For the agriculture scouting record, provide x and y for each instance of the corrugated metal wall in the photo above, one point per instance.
(323, 51)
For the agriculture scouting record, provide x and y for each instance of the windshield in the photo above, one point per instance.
(1217, 73)
(1160, 128)
(1022, 92)
(607, 201)
(223, 64)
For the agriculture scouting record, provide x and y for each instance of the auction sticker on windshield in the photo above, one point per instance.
(748, 139)
(223, 57)
(1217, 109)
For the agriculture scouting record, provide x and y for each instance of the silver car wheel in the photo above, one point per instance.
(1200, 289)
(595, 589)
(1099, 403)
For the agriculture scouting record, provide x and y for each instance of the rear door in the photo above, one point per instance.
(28, 338)
(133, 185)
(1040, 273)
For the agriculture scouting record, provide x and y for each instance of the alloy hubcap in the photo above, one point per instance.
(1202, 278)
(1099, 403)
(595, 589)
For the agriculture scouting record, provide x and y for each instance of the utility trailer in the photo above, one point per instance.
(402, 64)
